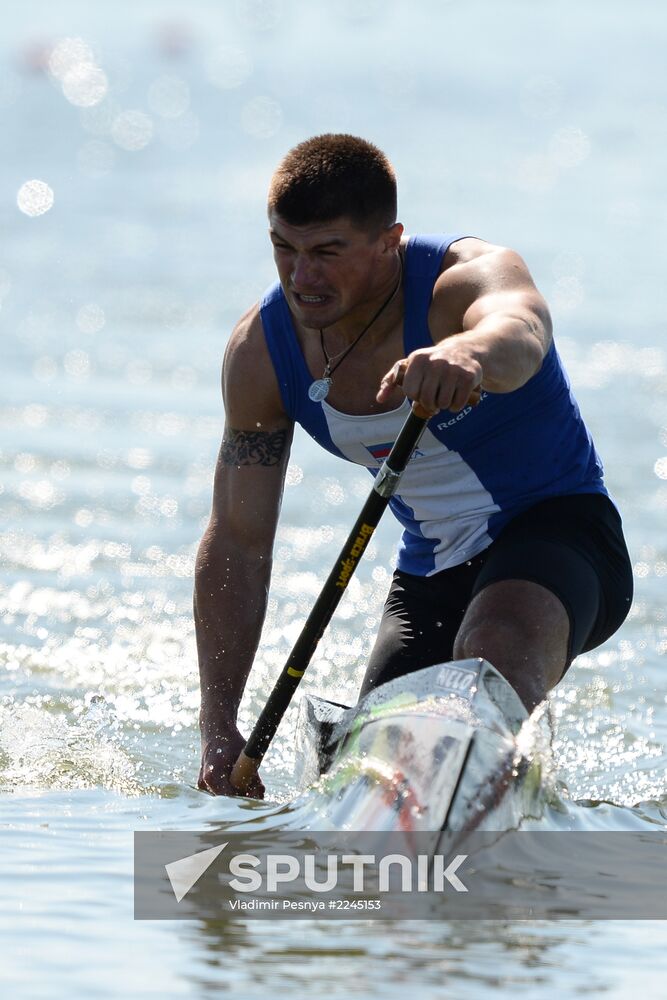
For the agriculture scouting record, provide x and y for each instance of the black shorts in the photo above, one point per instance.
(572, 545)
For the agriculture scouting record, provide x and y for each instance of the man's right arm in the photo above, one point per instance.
(233, 568)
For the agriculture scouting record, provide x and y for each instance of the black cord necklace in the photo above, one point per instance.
(319, 389)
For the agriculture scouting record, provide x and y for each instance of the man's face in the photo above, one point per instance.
(329, 270)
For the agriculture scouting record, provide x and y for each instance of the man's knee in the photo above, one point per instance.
(495, 640)
(512, 651)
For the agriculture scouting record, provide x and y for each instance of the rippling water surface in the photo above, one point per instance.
(152, 137)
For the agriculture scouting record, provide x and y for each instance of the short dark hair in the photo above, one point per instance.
(332, 176)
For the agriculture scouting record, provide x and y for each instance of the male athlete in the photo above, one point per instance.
(511, 549)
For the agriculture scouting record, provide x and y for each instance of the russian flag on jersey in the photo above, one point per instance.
(380, 451)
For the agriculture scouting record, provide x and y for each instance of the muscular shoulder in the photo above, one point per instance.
(480, 264)
(249, 384)
(472, 270)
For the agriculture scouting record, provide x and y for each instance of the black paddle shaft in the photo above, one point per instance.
(384, 487)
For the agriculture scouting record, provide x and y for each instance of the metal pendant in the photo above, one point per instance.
(319, 389)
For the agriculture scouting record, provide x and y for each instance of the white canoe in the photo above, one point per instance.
(434, 750)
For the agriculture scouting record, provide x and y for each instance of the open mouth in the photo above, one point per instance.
(310, 300)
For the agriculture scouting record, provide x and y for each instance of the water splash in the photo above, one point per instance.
(41, 747)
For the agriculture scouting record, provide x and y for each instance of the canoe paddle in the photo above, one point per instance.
(384, 487)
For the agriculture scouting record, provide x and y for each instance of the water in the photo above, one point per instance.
(539, 126)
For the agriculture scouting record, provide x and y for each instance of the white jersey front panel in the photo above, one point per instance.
(440, 498)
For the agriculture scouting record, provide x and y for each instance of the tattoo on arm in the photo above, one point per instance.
(253, 447)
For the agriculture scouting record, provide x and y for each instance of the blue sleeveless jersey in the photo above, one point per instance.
(474, 470)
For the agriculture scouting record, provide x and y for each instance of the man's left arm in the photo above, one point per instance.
(491, 330)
